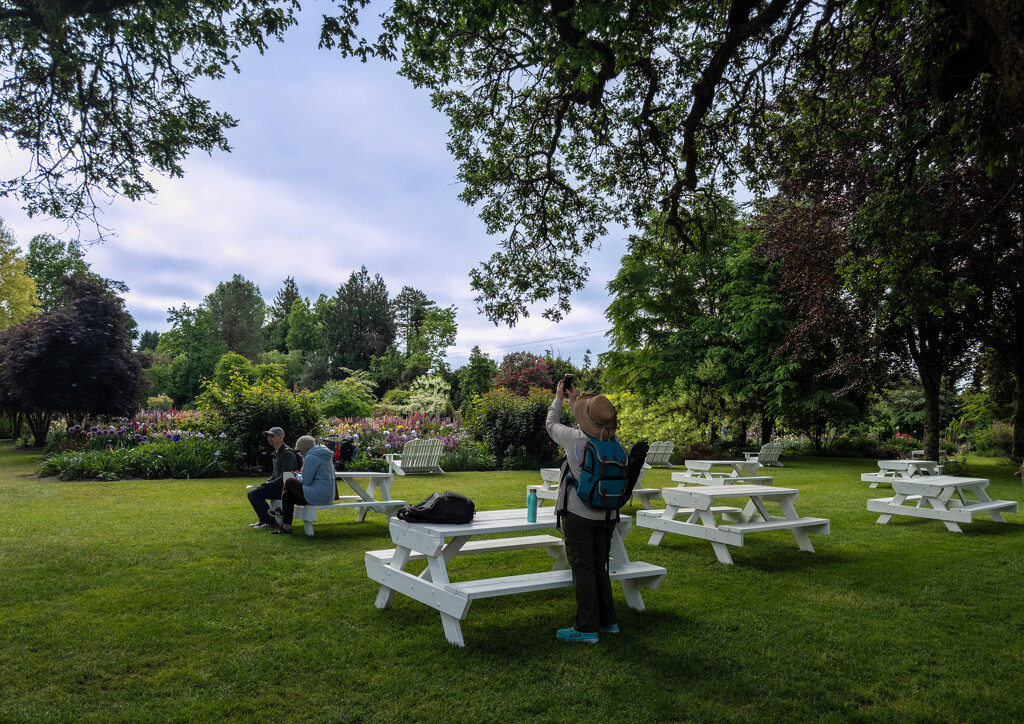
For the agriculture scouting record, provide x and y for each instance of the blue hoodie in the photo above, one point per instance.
(318, 475)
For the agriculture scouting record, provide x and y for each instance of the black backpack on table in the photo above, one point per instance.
(446, 507)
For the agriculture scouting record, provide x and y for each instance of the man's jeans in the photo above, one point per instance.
(260, 495)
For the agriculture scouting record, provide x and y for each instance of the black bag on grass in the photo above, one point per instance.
(447, 507)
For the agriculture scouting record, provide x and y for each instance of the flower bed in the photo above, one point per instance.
(173, 455)
(379, 436)
(169, 445)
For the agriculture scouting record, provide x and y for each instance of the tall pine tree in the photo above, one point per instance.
(360, 323)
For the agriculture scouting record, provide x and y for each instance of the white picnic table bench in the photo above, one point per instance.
(417, 456)
(889, 469)
(548, 489)
(440, 543)
(698, 505)
(951, 499)
(363, 501)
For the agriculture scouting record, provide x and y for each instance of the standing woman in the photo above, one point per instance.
(588, 532)
(316, 487)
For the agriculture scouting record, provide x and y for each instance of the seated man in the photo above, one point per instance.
(316, 487)
(285, 461)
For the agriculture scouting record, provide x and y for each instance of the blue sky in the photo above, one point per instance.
(335, 164)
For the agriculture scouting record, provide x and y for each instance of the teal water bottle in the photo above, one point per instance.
(531, 506)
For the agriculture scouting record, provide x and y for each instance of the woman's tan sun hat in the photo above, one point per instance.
(596, 416)
(304, 443)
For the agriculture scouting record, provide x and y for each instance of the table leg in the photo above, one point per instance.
(630, 588)
(358, 490)
(370, 489)
(452, 630)
(896, 500)
(669, 514)
(398, 561)
(707, 518)
(937, 503)
(802, 538)
(447, 553)
(750, 510)
(618, 548)
(438, 573)
(763, 511)
(558, 554)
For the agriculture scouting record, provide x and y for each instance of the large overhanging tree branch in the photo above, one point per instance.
(98, 96)
(572, 115)
(576, 114)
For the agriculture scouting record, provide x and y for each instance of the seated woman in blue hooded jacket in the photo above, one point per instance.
(315, 486)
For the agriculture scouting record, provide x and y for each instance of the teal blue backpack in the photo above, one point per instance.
(604, 475)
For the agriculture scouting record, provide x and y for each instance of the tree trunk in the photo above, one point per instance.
(739, 437)
(932, 427)
(1018, 412)
(17, 420)
(767, 428)
(39, 424)
(816, 433)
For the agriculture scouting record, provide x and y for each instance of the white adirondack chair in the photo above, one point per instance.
(768, 456)
(658, 454)
(417, 456)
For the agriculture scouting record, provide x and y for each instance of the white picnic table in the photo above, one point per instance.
(699, 478)
(951, 499)
(439, 543)
(698, 505)
(548, 489)
(702, 468)
(363, 501)
(889, 469)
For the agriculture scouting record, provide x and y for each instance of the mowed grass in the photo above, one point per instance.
(149, 601)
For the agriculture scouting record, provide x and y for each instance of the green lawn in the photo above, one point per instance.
(152, 601)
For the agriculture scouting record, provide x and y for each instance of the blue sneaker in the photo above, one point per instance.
(613, 629)
(571, 634)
